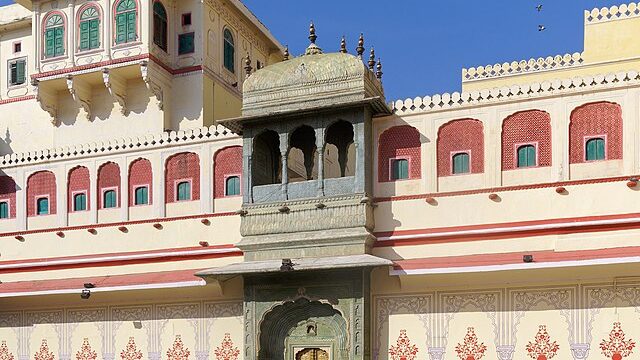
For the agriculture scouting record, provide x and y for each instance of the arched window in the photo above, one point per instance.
(109, 199)
(460, 163)
(90, 29)
(339, 152)
(140, 182)
(80, 202)
(595, 149)
(160, 25)
(41, 194)
(232, 186)
(183, 191)
(302, 164)
(227, 163)
(54, 36)
(526, 156)
(126, 21)
(229, 51)
(400, 169)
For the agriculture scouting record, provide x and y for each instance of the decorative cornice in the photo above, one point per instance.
(522, 67)
(556, 87)
(604, 14)
(121, 145)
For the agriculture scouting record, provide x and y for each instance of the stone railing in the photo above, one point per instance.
(612, 13)
(446, 101)
(118, 145)
(522, 67)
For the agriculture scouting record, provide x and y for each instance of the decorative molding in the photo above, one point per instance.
(113, 146)
(117, 87)
(81, 93)
(624, 11)
(547, 88)
(522, 67)
(152, 86)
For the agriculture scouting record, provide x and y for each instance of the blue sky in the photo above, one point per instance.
(424, 44)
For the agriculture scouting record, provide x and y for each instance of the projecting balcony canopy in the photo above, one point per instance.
(298, 265)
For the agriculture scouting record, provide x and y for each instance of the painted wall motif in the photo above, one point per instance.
(198, 330)
(539, 323)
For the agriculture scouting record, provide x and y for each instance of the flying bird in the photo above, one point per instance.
(541, 28)
(539, 7)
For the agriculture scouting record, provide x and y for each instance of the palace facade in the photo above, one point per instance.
(175, 185)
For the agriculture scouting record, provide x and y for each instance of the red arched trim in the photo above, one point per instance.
(100, 18)
(43, 30)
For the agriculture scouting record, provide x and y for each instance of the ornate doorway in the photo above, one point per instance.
(312, 354)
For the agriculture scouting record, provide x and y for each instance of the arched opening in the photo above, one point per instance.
(160, 25)
(288, 324)
(54, 36)
(265, 167)
(89, 29)
(229, 51)
(126, 18)
(339, 153)
(302, 158)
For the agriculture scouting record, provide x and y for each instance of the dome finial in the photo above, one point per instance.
(312, 33)
(372, 59)
(313, 49)
(379, 69)
(360, 48)
(286, 52)
(343, 45)
(247, 65)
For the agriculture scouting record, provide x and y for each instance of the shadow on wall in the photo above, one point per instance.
(5, 144)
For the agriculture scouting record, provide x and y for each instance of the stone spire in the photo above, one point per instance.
(379, 70)
(286, 53)
(313, 49)
(360, 48)
(372, 59)
(343, 45)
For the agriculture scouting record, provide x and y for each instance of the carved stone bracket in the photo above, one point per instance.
(152, 86)
(117, 87)
(80, 90)
(48, 100)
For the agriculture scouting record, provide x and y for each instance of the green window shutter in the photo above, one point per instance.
(84, 35)
(142, 196)
(49, 39)
(131, 26)
(121, 28)
(43, 206)
(14, 73)
(94, 34)
(184, 191)
(4, 210)
(186, 43)
(21, 72)
(80, 202)
(59, 41)
(109, 200)
(233, 186)
(461, 163)
(400, 169)
(595, 149)
(526, 156)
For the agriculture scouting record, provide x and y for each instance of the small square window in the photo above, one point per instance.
(186, 19)
(400, 169)
(42, 206)
(17, 47)
(186, 43)
(142, 195)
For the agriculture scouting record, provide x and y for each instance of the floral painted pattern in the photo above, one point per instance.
(404, 349)
(178, 351)
(44, 353)
(131, 352)
(617, 347)
(226, 350)
(4, 352)
(86, 352)
(542, 348)
(470, 349)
